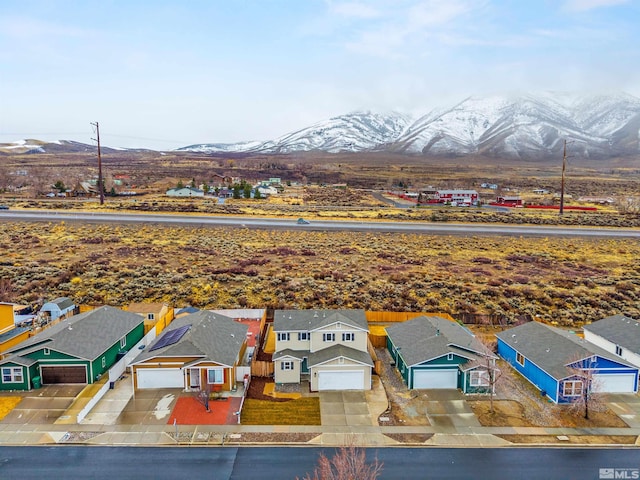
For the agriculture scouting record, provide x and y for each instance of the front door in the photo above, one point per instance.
(194, 375)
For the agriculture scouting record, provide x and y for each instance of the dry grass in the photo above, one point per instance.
(302, 411)
(572, 439)
(569, 281)
(7, 404)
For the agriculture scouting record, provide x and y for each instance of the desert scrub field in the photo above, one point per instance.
(555, 279)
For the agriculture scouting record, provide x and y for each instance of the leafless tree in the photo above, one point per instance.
(485, 364)
(583, 386)
(348, 463)
(203, 395)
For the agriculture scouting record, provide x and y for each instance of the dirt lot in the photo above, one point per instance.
(405, 407)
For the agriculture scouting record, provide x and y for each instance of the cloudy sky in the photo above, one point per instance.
(165, 74)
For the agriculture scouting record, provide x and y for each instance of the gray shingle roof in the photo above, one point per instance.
(425, 338)
(618, 329)
(308, 320)
(211, 336)
(337, 351)
(551, 348)
(19, 360)
(287, 352)
(87, 335)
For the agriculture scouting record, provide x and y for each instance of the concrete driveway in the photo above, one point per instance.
(448, 411)
(626, 406)
(44, 405)
(353, 407)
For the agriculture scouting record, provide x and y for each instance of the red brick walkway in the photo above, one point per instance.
(188, 411)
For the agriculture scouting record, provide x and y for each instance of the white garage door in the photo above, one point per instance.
(160, 378)
(341, 380)
(620, 383)
(435, 379)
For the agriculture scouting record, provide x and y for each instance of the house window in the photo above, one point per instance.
(286, 365)
(12, 375)
(104, 362)
(151, 316)
(303, 336)
(479, 378)
(449, 356)
(123, 342)
(572, 388)
(283, 336)
(618, 350)
(215, 376)
(348, 337)
(328, 337)
(520, 359)
(46, 351)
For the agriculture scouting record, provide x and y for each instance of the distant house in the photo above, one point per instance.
(617, 334)
(549, 357)
(84, 189)
(61, 307)
(156, 315)
(435, 353)
(327, 347)
(185, 192)
(540, 191)
(10, 333)
(453, 197)
(509, 201)
(76, 350)
(199, 349)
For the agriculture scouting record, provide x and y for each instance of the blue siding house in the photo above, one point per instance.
(552, 359)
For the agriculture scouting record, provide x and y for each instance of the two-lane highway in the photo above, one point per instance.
(322, 225)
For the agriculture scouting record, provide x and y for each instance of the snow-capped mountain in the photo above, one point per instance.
(523, 126)
(354, 132)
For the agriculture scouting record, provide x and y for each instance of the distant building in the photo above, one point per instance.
(453, 197)
(185, 192)
(509, 201)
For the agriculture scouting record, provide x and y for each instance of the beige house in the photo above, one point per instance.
(326, 347)
(157, 315)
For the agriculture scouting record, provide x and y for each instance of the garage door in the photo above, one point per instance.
(160, 378)
(75, 374)
(621, 383)
(341, 380)
(435, 379)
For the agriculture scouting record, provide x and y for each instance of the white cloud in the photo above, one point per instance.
(433, 13)
(584, 5)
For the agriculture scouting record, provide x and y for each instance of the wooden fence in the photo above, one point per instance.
(261, 369)
(379, 316)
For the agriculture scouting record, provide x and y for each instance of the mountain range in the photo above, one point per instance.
(523, 126)
(527, 126)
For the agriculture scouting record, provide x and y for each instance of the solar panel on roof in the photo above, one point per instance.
(171, 337)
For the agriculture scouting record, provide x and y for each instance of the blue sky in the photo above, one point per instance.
(164, 74)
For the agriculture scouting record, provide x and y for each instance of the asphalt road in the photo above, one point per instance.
(222, 463)
(322, 225)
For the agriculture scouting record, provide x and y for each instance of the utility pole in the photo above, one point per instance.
(564, 166)
(100, 185)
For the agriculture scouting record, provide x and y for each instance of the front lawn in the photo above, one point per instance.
(302, 411)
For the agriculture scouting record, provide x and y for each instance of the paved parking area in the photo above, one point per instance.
(44, 405)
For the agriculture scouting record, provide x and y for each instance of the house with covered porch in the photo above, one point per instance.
(196, 351)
